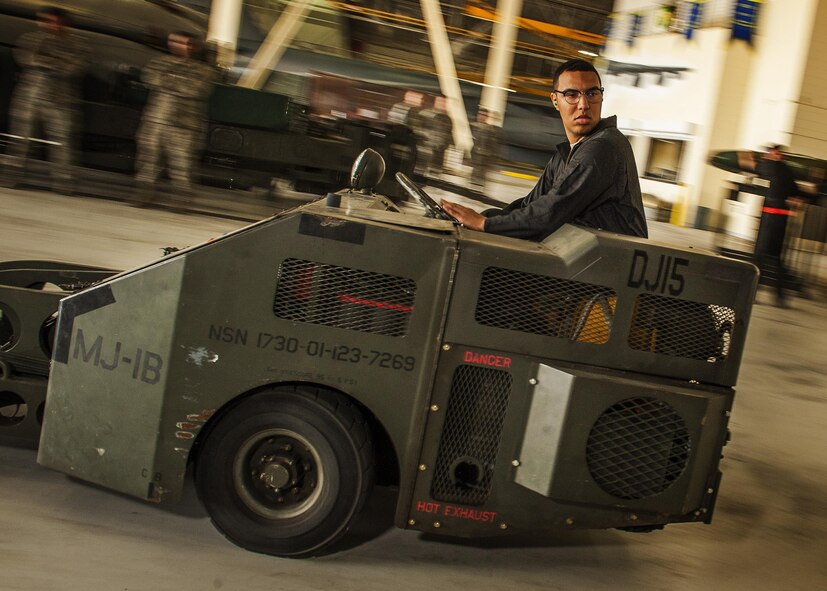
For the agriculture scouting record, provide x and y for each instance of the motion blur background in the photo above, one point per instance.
(687, 79)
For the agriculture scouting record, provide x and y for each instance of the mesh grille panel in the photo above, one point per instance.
(471, 435)
(547, 306)
(343, 297)
(681, 328)
(637, 448)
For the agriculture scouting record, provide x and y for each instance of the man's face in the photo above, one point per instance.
(772, 154)
(580, 118)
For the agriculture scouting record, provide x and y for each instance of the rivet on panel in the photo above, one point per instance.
(434, 407)
(515, 463)
(437, 524)
(503, 525)
(446, 347)
(412, 522)
(533, 381)
(422, 467)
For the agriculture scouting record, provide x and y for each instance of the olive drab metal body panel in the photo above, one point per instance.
(585, 381)
(177, 340)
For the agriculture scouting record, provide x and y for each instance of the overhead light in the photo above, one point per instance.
(483, 84)
(588, 53)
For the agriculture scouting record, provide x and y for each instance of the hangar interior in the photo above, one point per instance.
(678, 99)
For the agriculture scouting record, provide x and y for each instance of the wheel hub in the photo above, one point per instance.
(281, 474)
(277, 476)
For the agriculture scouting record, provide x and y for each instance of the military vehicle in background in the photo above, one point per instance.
(251, 137)
(504, 386)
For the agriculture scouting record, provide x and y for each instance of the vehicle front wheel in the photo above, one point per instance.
(286, 471)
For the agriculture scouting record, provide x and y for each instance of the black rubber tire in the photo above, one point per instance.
(317, 468)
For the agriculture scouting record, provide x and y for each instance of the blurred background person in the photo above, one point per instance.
(436, 136)
(174, 117)
(407, 111)
(487, 146)
(781, 197)
(52, 60)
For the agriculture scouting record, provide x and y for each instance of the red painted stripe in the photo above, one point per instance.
(374, 303)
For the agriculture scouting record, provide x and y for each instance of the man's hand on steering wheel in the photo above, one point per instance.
(464, 215)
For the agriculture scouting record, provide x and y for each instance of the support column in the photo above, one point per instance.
(225, 17)
(277, 41)
(447, 73)
(501, 58)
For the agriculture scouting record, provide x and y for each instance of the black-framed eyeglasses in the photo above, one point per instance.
(593, 95)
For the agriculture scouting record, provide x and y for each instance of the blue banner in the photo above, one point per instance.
(694, 18)
(607, 31)
(745, 19)
(634, 29)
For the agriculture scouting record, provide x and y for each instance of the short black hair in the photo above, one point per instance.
(574, 65)
(54, 11)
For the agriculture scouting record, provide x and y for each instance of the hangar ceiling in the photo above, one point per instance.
(550, 31)
(393, 33)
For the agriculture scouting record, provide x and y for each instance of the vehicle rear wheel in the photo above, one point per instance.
(286, 471)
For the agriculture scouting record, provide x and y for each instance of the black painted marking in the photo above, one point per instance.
(78, 305)
(332, 228)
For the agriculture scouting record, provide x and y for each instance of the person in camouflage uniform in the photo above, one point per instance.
(173, 119)
(436, 136)
(487, 146)
(52, 60)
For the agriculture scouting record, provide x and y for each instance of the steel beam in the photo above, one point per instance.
(225, 17)
(277, 41)
(447, 73)
(501, 58)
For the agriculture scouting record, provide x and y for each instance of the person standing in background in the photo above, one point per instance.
(487, 147)
(174, 117)
(52, 60)
(769, 244)
(407, 111)
(437, 127)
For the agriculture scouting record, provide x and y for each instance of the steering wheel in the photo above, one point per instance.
(432, 208)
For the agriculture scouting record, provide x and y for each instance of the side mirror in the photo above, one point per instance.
(368, 170)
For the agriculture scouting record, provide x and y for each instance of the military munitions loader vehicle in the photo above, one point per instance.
(506, 386)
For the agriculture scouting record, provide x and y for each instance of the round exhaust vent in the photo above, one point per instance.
(637, 448)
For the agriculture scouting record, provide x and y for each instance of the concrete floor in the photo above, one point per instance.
(769, 530)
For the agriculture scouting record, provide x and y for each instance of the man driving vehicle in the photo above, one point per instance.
(591, 179)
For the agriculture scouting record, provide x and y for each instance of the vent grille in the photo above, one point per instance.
(680, 328)
(546, 306)
(471, 435)
(637, 448)
(343, 297)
